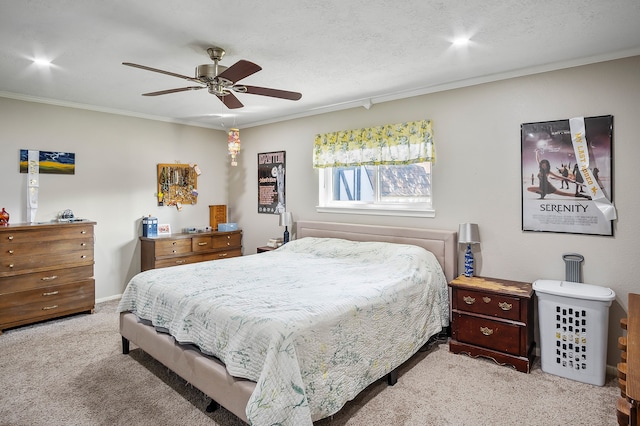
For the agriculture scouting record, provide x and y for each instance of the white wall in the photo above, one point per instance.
(115, 179)
(476, 177)
(477, 173)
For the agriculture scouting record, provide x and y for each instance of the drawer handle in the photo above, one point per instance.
(51, 278)
(469, 300)
(486, 331)
(11, 265)
(83, 232)
(10, 251)
(228, 237)
(46, 308)
(505, 306)
(10, 237)
(179, 262)
(202, 244)
(83, 244)
(50, 293)
(486, 299)
(174, 243)
(83, 257)
(222, 255)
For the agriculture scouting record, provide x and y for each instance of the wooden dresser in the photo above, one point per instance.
(180, 249)
(46, 271)
(493, 318)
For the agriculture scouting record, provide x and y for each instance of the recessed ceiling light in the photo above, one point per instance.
(42, 62)
(461, 41)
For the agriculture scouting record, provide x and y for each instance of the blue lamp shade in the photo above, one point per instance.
(468, 234)
(286, 220)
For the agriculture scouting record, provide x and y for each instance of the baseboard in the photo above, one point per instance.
(106, 299)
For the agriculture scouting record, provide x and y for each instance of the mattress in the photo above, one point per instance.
(313, 323)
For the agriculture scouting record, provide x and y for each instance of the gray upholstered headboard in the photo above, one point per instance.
(443, 244)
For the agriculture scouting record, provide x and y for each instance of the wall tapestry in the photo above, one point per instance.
(567, 176)
(271, 182)
(62, 163)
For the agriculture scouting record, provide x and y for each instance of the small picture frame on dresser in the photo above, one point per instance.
(164, 229)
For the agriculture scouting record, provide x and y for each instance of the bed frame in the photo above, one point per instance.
(210, 375)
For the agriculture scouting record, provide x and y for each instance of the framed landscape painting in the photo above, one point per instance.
(62, 163)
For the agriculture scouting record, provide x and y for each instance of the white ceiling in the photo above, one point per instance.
(337, 53)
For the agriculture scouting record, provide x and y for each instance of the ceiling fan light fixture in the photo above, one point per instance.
(220, 80)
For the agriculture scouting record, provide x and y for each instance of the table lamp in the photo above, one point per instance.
(286, 219)
(468, 234)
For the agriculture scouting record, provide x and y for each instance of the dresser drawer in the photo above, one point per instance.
(496, 305)
(221, 255)
(45, 278)
(497, 335)
(53, 232)
(25, 248)
(47, 301)
(229, 240)
(201, 244)
(171, 247)
(24, 264)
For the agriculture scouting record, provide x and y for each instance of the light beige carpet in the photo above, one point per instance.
(71, 372)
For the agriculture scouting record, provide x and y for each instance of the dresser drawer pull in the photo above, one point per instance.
(10, 251)
(174, 243)
(179, 262)
(51, 278)
(202, 244)
(486, 331)
(222, 255)
(83, 244)
(486, 299)
(10, 237)
(46, 308)
(50, 293)
(505, 306)
(83, 232)
(83, 257)
(11, 265)
(469, 300)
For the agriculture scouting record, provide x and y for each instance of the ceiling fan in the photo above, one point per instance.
(222, 81)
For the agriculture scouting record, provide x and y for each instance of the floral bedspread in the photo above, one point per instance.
(313, 323)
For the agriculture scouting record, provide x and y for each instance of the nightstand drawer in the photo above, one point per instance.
(497, 335)
(491, 304)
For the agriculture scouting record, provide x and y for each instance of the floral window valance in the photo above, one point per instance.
(391, 144)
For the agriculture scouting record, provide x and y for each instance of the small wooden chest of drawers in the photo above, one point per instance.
(46, 271)
(180, 249)
(493, 318)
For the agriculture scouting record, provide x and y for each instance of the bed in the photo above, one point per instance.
(299, 354)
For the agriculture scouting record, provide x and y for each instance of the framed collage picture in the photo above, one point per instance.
(271, 182)
(567, 176)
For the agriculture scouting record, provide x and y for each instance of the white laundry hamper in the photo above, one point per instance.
(573, 320)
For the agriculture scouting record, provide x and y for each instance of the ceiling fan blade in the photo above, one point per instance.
(143, 67)
(240, 70)
(274, 93)
(230, 101)
(165, 92)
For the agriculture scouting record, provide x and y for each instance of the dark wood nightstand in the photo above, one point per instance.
(493, 318)
(265, 248)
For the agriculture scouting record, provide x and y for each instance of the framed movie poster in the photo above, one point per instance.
(271, 182)
(567, 176)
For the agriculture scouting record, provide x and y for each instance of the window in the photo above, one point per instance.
(396, 189)
(378, 170)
